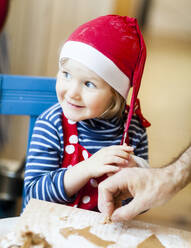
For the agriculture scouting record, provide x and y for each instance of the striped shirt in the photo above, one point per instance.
(44, 177)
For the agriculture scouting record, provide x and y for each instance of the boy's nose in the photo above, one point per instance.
(74, 90)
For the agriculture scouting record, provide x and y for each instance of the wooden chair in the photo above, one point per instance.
(26, 95)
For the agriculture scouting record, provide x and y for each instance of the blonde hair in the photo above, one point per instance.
(116, 108)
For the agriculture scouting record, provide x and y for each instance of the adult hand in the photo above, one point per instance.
(149, 187)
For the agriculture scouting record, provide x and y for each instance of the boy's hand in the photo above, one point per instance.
(109, 160)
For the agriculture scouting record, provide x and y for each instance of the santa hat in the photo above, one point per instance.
(113, 47)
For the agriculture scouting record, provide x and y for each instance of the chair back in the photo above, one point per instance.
(26, 95)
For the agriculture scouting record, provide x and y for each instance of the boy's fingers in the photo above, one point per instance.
(128, 148)
(111, 168)
(117, 156)
(123, 147)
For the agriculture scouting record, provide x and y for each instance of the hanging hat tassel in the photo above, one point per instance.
(136, 81)
(138, 112)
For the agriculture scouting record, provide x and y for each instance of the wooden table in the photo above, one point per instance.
(72, 227)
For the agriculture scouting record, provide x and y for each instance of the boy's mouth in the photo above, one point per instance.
(73, 104)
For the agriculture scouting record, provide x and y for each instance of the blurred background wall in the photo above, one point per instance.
(36, 30)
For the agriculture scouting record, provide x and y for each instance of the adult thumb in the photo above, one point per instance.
(129, 211)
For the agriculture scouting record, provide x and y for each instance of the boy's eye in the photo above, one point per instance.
(67, 75)
(89, 84)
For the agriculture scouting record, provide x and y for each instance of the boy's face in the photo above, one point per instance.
(81, 93)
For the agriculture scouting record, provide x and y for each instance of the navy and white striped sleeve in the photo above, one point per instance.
(138, 138)
(44, 179)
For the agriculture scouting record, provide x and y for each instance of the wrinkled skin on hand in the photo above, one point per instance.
(148, 186)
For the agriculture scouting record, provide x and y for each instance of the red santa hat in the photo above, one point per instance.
(113, 47)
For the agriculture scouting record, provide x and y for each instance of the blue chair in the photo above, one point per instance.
(26, 95)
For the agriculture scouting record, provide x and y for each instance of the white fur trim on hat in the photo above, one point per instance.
(97, 62)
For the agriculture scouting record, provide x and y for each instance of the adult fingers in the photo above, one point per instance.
(106, 191)
(129, 211)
